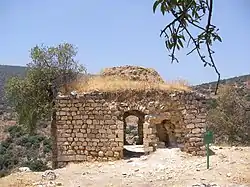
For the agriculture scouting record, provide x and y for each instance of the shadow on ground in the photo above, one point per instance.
(133, 151)
(211, 152)
(131, 154)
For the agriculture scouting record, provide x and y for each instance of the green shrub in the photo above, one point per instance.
(15, 131)
(128, 131)
(2, 150)
(21, 149)
(248, 97)
(36, 165)
(6, 143)
(228, 119)
(30, 141)
(47, 143)
(8, 160)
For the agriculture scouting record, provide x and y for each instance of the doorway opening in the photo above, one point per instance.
(133, 121)
(166, 134)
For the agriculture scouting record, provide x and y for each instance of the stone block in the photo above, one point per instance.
(89, 121)
(196, 130)
(79, 135)
(109, 153)
(66, 158)
(190, 126)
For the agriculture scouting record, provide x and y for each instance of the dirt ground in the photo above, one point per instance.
(230, 166)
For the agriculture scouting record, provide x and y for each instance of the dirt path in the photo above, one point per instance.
(165, 167)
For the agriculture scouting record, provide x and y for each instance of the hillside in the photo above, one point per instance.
(239, 81)
(6, 72)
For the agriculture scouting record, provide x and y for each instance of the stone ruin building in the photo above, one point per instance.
(91, 126)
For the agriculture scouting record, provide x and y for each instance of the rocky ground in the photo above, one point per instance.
(230, 166)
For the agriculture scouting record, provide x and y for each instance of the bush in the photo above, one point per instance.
(131, 129)
(8, 160)
(248, 97)
(36, 165)
(47, 143)
(30, 141)
(21, 149)
(15, 131)
(228, 118)
(6, 143)
(2, 150)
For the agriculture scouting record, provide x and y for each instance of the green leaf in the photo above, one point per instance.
(155, 5)
(171, 45)
(183, 37)
(219, 38)
(168, 45)
(163, 9)
(180, 43)
(178, 47)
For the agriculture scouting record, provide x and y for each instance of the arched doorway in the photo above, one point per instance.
(133, 127)
(133, 121)
(166, 133)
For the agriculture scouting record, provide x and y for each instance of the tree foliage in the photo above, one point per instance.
(189, 17)
(229, 117)
(50, 69)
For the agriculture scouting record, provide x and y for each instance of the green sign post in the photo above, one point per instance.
(208, 138)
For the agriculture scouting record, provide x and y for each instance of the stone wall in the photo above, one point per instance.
(91, 126)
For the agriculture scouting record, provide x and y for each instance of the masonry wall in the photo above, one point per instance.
(87, 130)
(91, 126)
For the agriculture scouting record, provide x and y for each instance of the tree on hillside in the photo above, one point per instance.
(187, 15)
(51, 67)
(229, 118)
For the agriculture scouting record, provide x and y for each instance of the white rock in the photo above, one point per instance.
(143, 158)
(49, 175)
(24, 169)
(73, 93)
(229, 174)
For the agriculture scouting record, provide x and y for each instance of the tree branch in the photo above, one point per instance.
(173, 52)
(208, 46)
(197, 48)
(177, 18)
(203, 37)
(164, 30)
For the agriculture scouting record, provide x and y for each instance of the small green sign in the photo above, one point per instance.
(208, 138)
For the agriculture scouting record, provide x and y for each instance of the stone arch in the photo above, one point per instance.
(167, 128)
(166, 132)
(162, 134)
(141, 120)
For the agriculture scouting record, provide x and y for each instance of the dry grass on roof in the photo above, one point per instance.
(114, 84)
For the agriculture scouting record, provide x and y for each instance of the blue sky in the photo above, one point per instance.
(113, 33)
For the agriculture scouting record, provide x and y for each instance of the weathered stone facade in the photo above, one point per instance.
(91, 126)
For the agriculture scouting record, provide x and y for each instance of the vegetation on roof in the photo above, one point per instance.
(116, 83)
